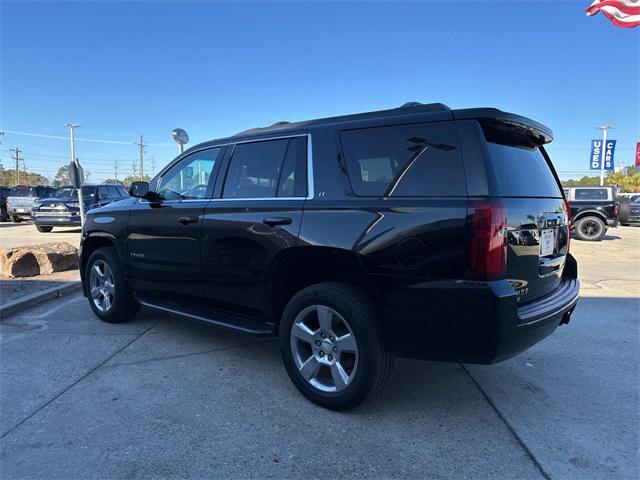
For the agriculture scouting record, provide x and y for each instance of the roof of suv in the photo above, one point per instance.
(438, 111)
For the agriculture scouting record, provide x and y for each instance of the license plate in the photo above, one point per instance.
(547, 242)
(21, 210)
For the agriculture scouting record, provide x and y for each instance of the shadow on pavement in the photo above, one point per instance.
(12, 289)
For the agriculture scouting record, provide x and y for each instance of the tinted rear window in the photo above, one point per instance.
(522, 171)
(591, 194)
(419, 160)
(23, 192)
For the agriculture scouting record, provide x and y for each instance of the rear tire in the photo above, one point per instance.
(15, 219)
(43, 229)
(590, 229)
(110, 295)
(337, 354)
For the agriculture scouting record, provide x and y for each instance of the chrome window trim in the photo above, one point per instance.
(310, 180)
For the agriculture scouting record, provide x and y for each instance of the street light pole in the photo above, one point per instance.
(74, 160)
(603, 149)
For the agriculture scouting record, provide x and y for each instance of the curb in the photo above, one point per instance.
(36, 298)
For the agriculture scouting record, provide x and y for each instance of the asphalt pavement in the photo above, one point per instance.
(24, 233)
(165, 397)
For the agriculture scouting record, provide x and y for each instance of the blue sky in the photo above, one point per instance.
(123, 68)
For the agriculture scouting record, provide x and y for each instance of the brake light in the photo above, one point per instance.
(616, 209)
(488, 249)
(568, 207)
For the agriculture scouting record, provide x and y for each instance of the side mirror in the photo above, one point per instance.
(139, 189)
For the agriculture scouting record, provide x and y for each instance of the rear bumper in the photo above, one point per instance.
(19, 212)
(612, 222)
(474, 322)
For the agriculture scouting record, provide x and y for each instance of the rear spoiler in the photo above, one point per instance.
(496, 121)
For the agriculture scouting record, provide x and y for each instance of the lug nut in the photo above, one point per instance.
(322, 353)
(323, 335)
(318, 343)
(335, 349)
(330, 357)
(332, 338)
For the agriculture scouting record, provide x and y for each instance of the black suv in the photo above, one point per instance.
(593, 211)
(420, 231)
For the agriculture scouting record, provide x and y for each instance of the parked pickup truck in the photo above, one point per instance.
(593, 210)
(629, 209)
(21, 199)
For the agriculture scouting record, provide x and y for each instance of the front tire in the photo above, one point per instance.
(590, 229)
(43, 229)
(109, 293)
(332, 345)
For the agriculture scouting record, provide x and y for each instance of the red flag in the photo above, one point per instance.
(638, 155)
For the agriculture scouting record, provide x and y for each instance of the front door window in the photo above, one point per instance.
(188, 180)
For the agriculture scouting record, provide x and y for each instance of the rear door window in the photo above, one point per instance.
(522, 171)
(267, 169)
(293, 175)
(416, 160)
(591, 194)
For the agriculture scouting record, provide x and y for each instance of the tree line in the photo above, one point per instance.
(60, 179)
(627, 180)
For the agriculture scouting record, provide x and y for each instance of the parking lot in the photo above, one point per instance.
(166, 397)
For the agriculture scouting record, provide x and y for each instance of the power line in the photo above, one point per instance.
(93, 140)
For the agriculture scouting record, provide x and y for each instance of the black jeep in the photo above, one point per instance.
(593, 211)
(420, 231)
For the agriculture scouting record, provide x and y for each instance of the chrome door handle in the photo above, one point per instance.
(273, 221)
(187, 220)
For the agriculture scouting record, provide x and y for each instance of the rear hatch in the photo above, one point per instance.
(535, 211)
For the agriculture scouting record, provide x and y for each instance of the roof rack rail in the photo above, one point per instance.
(434, 107)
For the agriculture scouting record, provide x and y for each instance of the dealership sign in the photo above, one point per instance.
(602, 152)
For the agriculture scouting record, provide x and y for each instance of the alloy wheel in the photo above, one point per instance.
(102, 286)
(590, 228)
(324, 348)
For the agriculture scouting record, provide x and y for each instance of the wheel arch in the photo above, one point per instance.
(92, 242)
(590, 213)
(299, 267)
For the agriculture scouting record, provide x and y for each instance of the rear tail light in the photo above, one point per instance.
(488, 249)
(616, 209)
(568, 207)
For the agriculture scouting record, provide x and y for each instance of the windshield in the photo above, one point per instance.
(66, 192)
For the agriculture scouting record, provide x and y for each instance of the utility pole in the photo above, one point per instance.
(74, 160)
(603, 149)
(141, 144)
(17, 158)
(115, 170)
(153, 166)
